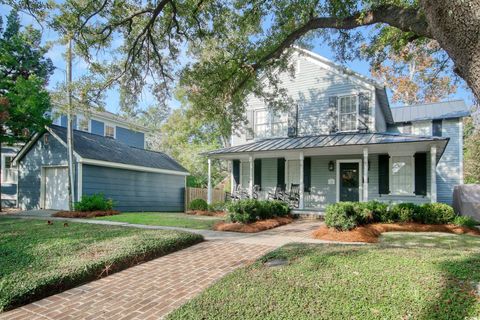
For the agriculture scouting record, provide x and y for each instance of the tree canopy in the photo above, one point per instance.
(24, 72)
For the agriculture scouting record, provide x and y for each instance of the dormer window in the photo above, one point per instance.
(347, 113)
(83, 124)
(109, 131)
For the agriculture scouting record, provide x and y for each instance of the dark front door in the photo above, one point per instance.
(349, 181)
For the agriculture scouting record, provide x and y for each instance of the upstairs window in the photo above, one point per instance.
(109, 131)
(269, 124)
(261, 123)
(347, 113)
(83, 124)
(279, 125)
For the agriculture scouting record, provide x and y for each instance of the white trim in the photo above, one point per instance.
(250, 181)
(130, 167)
(460, 151)
(79, 181)
(360, 175)
(25, 148)
(114, 130)
(365, 174)
(357, 107)
(433, 173)
(302, 183)
(209, 183)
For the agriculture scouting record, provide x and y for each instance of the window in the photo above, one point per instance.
(109, 131)
(261, 123)
(347, 113)
(268, 124)
(83, 124)
(8, 172)
(437, 128)
(422, 128)
(401, 173)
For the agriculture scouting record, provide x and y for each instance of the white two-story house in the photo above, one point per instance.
(341, 141)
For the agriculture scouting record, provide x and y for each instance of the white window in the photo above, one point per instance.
(9, 173)
(422, 128)
(83, 124)
(347, 113)
(401, 175)
(261, 123)
(269, 124)
(109, 131)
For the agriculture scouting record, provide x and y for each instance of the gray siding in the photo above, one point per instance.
(310, 88)
(97, 127)
(29, 175)
(130, 137)
(135, 190)
(450, 166)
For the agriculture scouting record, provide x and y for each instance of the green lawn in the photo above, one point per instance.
(176, 219)
(423, 276)
(37, 259)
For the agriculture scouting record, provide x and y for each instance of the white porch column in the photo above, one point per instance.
(302, 187)
(433, 173)
(250, 183)
(232, 180)
(209, 187)
(365, 174)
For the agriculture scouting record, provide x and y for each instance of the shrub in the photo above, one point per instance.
(95, 202)
(404, 212)
(217, 206)
(465, 221)
(198, 204)
(342, 216)
(379, 210)
(251, 210)
(436, 213)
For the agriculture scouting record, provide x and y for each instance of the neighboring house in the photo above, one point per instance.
(341, 141)
(9, 175)
(114, 164)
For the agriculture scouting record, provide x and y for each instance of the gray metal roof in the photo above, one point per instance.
(96, 147)
(323, 141)
(431, 111)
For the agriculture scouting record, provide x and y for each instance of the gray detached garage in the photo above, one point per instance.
(136, 179)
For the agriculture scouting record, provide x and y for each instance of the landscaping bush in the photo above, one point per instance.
(217, 206)
(436, 213)
(342, 216)
(251, 210)
(198, 204)
(404, 212)
(95, 202)
(465, 221)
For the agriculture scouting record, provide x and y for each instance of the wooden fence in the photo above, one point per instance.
(202, 193)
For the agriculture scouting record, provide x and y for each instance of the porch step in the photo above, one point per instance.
(307, 214)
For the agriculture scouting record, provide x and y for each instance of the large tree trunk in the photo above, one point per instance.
(455, 24)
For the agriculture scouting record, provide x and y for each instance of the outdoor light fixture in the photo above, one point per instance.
(331, 166)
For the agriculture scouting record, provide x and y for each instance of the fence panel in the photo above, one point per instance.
(202, 193)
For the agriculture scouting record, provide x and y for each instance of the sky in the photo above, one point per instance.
(56, 54)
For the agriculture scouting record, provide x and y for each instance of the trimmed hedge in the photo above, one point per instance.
(348, 215)
(198, 204)
(251, 210)
(95, 202)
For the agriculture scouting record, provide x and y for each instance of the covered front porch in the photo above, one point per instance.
(341, 167)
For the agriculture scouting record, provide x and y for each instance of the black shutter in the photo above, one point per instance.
(333, 113)
(249, 128)
(437, 128)
(257, 172)
(364, 112)
(383, 174)
(281, 172)
(236, 171)
(307, 170)
(421, 173)
(293, 122)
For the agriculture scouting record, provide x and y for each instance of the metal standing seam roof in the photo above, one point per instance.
(96, 147)
(323, 141)
(431, 111)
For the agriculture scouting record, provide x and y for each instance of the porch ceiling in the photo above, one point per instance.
(334, 144)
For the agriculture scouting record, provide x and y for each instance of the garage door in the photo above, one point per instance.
(56, 188)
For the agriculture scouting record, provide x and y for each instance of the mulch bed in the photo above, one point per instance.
(85, 214)
(252, 227)
(370, 233)
(206, 213)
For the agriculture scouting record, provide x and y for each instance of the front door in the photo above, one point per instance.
(349, 181)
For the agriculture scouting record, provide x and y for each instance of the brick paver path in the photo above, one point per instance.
(149, 290)
(153, 289)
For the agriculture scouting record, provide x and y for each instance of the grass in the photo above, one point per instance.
(165, 219)
(406, 276)
(37, 259)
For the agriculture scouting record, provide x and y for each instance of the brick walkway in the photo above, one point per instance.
(147, 291)
(155, 288)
